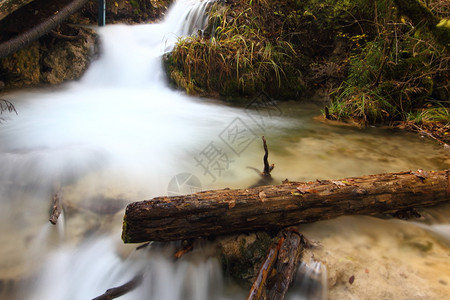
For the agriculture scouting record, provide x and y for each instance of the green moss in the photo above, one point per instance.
(135, 4)
(421, 16)
(243, 262)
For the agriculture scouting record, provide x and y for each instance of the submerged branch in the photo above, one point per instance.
(116, 292)
(267, 168)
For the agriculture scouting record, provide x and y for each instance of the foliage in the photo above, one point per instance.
(402, 72)
(238, 59)
(433, 112)
(361, 103)
(5, 105)
(382, 65)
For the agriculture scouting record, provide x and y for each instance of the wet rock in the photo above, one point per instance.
(67, 60)
(50, 60)
(241, 255)
(21, 68)
(122, 11)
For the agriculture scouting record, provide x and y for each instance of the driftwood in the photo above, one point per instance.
(266, 178)
(220, 212)
(56, 209)
(288, 259)
(279, 267)
(258, 288)
(116, 292)
(267, 168)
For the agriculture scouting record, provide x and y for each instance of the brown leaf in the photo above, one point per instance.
(304, 189)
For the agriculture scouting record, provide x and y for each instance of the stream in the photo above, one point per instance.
(121, 134)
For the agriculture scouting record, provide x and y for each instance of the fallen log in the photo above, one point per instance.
(220, 212)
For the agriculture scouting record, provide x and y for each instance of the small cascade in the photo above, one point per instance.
(90, 270)
(121, 134)
(196, 19)
(310, 282)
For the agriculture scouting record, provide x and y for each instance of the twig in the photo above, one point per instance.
(116, 292)
(56, 209)
(184, 249)
(65, 37)
(267, 168)
(123, 289)
(447, 146)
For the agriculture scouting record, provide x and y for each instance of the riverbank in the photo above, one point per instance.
(378, 66)
(65, 52)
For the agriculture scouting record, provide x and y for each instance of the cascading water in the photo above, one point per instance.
(119, 135)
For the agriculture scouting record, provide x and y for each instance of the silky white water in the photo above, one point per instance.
(120, 134)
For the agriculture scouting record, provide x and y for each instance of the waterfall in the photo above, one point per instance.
(119, 134)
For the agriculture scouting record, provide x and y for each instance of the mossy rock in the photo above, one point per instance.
(21, 68)
(241, 255)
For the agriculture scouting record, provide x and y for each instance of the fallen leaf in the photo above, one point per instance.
(304, 189)
(340, 183)
(232, 204)
(262, 196)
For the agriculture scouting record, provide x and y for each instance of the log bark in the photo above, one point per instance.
(258, 288)
(288, 259)
(220, 212)
(46, 26)
(279, 267)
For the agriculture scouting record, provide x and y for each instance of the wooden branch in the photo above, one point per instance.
(423, 132)
(267, 168)
(64, 36)
(34, 33)
(279, 267)
(116, 292)
(220, 212)
(259, 285)
(288, 259)
(56, 209)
